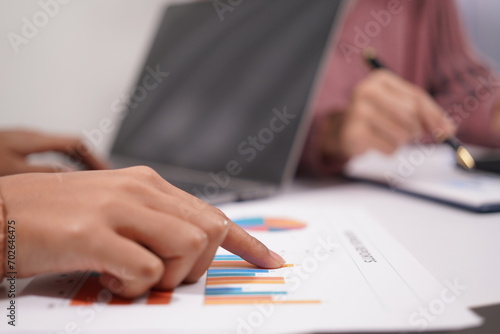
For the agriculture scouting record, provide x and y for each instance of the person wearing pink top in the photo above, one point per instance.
(436, 84)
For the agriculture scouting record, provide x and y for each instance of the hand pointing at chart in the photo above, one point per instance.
(130, 225)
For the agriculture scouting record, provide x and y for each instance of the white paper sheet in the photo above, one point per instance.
(348, 274)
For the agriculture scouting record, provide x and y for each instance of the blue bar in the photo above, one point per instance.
(221, 290)
(250, 222)
(235, 270)
(231, 274)
(239, 292)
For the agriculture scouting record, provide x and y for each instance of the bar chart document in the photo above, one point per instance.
(343, 273)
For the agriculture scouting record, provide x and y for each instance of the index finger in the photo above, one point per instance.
(239, 242)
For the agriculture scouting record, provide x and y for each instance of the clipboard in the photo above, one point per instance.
(429, 172)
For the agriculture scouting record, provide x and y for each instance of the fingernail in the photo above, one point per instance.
(279, 260)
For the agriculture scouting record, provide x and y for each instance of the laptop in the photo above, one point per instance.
(221, 108)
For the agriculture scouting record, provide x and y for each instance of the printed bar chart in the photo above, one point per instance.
(232, 280)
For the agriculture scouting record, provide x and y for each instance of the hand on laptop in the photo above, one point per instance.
(131, 225)
(385, 112)
(16, 145)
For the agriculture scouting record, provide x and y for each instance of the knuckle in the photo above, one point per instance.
(197, 241)
(216, 228)
(132, 185)
(145, 171)
(151, 269)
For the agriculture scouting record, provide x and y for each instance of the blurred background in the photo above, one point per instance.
(68, 75)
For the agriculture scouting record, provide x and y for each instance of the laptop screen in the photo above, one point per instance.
(225, 87)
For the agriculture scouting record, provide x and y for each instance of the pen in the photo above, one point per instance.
(463, 157)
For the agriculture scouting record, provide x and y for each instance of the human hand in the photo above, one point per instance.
(16, 145)
(386, 112)
(131, 225)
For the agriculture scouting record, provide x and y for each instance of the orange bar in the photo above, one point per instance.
(87, 295)
(120, 301)
(235, 264)
(237, 300)
(159, 297)
(254, 300)
(277, 223)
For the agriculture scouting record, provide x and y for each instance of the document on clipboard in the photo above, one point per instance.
(430, 172)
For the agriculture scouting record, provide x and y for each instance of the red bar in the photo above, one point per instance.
(87, 295)
(159, 297)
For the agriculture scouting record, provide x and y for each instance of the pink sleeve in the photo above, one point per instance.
(460, 82)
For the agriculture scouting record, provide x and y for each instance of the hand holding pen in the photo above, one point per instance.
(463, 156)
(384, 113)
